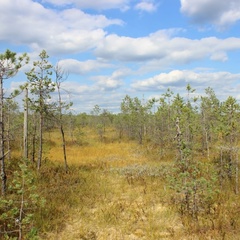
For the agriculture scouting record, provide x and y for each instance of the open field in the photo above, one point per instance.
(113, 191)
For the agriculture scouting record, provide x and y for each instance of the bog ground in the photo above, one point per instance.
(118, 192)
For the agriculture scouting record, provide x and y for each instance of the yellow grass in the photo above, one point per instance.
(94, 151)
(121, 153)
(114, 205)
(108, 193)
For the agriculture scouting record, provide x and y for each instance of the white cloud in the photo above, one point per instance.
(106, 83)
(85, 97)
(75, 88)
(73, 31)
(70, 30)
(77, 67)
(219, 56)
(180, 78)
(126, 48)
(147, 6)
(67, 29)
(218, 12)
(77, 19)
(165, 48)
(112, 82)
(93, 4)
(121, 73)
(107, 91)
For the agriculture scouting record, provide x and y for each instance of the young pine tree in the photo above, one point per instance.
(9, 66)
(41, 86)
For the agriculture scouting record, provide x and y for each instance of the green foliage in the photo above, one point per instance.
(135, 116)
(226, 165)
(18, 208)
(41, 86)
(100, 118)
(196, 130)
(9, 66)
(195, 189)
(10, 63)
(164, 122)
(40, 82)
(228, 119)
(194, 183)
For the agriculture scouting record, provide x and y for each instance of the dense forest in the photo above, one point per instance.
(193, 141)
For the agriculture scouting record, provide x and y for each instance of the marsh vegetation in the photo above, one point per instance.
(164, 168)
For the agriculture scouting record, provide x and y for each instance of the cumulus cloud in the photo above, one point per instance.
(62, 31)
(147, 6)
(73, 31)
(96, 84)
(77, 19)
(93, 4)
(121, 73)
(85, 97)
(106, 83)
(75, 88)
(220, 13)
(112, 82)
(180, 78)
(219, 56)
(82, 67)
(166, 48)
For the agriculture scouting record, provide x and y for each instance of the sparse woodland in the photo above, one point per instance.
(164, 168)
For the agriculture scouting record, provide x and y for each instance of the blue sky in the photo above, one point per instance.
(111, 48)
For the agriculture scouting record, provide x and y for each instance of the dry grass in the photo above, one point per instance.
(112, 153)
(114, 190)
(118, 194)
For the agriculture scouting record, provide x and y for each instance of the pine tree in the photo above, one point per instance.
(9, 66)
(41, 85)
(60, 76)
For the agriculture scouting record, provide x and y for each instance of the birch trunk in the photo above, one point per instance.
(2, 157)
(25, 130)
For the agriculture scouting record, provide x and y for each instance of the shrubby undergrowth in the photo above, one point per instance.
(189, 146)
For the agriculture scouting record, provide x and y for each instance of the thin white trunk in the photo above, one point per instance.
(2, 156)
(25, 131)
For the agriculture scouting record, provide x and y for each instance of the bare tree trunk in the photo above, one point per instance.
(221, 168)
(39, 163)
(8, 133)
(34, 141)
(59, 78)
(61, 128)
(25, 131)
(21, 212)
(178, 137)
(64, 148)
(2, 156)
(236, 180)
(41, 112)
(206, 135)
